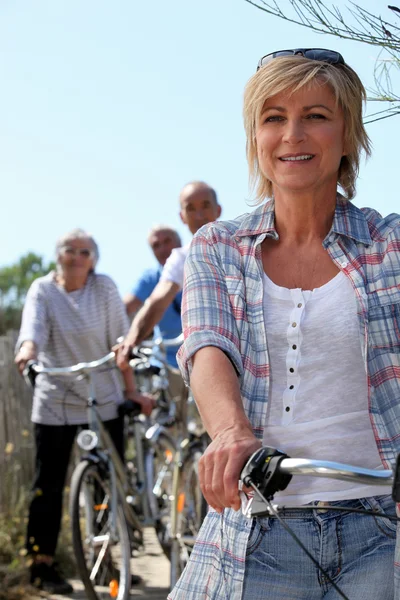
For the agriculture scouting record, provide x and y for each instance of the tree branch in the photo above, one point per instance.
(358, 25)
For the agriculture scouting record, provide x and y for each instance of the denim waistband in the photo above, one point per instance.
(322, 507)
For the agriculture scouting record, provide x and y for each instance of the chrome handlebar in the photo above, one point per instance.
(334, 470)
(77, 369)
(85, 367)
(161, 342)
(269, 471)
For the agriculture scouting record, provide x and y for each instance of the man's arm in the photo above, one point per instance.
(148, 316)
(152, 311)
(132, 304)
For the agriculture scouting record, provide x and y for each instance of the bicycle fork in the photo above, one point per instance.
(178, 495)
(142, 476)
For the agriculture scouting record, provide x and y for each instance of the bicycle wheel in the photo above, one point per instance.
(189, 508)
(159, 464)
(102, 550)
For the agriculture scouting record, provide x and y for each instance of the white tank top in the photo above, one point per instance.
(318, 402)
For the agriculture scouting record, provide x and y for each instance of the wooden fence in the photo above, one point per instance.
(16, 440)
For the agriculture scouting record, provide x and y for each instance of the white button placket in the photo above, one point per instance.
(294, 339)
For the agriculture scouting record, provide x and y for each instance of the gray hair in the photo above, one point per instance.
(201, 185)
(161, 227)
(78, 234)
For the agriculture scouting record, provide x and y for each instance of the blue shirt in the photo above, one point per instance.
(170, 325)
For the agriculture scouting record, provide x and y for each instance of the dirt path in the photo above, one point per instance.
(152, 566)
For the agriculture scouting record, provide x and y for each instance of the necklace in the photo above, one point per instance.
(298, 282)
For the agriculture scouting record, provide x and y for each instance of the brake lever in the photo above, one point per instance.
(262, 472)
(29, 374)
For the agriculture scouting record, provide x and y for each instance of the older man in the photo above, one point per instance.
(198, 206)
(162, 240)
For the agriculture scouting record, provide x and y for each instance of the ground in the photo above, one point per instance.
(152, 566)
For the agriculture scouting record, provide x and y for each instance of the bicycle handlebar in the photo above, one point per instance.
(159, 341)
(71, 370)
(270, 471)
(334, 470)
(95, 364)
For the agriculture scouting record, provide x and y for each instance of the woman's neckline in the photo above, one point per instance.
(63, 288)
(326, 287)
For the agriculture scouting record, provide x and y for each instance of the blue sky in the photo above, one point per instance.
(108, 108)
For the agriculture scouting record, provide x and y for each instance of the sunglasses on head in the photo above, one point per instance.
(329, 56)
(70, 251)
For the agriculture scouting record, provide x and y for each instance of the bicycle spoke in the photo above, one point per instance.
(99, 560)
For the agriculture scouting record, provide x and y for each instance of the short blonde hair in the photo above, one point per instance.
(291, 73)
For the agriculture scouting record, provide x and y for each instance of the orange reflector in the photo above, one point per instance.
(100, 506)
(181, 502)
(113, 586)
(168, 455)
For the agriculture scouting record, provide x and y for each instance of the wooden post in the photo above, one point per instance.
(16, 438)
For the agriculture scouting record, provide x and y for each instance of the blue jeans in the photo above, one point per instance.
(357, 551)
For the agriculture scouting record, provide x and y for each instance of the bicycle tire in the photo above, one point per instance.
(189, 512)
(88, 485)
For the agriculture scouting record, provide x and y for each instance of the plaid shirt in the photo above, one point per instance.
(223, 307)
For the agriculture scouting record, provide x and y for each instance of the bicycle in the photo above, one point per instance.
(188, 505)
(151, 457)
(106, 526)
(176, 503)
(268, 471)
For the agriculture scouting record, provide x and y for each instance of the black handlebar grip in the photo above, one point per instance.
(129, 407)
(396, 481)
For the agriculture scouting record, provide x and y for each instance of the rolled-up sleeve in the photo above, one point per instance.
(207, 315)
(35, 321)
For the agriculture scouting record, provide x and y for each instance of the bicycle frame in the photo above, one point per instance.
(151, 353)
(104, 451)
(97, 444)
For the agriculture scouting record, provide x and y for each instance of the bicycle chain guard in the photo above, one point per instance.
(262, 470)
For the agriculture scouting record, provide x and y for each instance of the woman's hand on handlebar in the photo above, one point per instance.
(26, 353)
(222, 463)
(146, 401)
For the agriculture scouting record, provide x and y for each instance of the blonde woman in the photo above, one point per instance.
(291, 319)
(71, 315)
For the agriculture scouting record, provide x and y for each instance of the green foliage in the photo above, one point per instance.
(15, 281)
(14, 562)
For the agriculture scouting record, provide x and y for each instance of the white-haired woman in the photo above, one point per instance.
(71, 315)
(291, 317)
